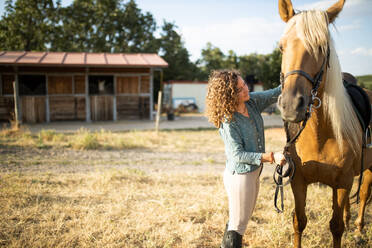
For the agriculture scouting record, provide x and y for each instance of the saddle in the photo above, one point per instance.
(360, 100)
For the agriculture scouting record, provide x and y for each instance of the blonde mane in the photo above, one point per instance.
(312, 29)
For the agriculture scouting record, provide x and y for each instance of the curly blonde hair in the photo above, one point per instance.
(222, 96)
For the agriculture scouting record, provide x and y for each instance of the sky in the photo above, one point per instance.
(252, 26)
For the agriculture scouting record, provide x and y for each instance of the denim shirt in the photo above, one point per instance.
(244, 137)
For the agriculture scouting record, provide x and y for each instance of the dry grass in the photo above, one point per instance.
(131, 208)
(183, 140)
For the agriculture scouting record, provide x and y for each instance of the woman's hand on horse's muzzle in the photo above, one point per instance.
(279, 158)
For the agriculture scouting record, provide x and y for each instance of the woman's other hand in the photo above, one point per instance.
(268, 157)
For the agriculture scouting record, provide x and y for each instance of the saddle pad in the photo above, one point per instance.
(361, 103)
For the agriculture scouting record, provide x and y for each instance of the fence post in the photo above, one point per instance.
(158, 112)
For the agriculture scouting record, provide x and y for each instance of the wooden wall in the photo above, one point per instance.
(59, 85)
(33, 109)
(127, 85)
(7, 84)
(130, 104)
(79, 84)
(132, 107)
(145, 84)
(6, 108)
(101, 108)
(67, 108)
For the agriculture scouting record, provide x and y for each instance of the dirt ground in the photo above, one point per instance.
(180, 122)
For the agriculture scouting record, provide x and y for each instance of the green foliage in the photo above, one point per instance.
(105, 26)
(174, 52)
(365, 81)
(266, 68)
(28, 24)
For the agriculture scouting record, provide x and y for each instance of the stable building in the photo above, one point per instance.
(61, 86)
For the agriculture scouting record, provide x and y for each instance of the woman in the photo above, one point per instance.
(237, 114)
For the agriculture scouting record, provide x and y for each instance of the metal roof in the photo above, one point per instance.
(82, 59)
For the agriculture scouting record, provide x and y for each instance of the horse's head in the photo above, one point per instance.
(305, 49)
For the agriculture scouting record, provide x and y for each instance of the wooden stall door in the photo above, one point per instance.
(132, 107)
(33, 109)
(66, 108)
(101, 108)
(6, 109)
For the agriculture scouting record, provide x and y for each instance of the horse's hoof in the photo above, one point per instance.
(359, 240)
(359, 226)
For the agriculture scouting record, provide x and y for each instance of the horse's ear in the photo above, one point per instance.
(286, 10)
(334, 10)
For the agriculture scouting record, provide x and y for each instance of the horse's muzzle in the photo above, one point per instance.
(292, 109)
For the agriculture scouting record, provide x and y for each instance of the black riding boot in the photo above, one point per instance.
(231, 239)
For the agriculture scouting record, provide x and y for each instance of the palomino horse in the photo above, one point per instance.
(330, 146)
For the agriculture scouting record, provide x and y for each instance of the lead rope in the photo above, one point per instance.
(290, 172)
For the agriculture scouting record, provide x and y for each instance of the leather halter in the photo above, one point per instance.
(290, 172)
(314, 81)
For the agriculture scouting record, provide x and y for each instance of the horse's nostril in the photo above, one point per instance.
(301, 102)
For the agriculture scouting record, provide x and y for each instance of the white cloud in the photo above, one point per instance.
(242, 35)
(353, 26)
(362, 51)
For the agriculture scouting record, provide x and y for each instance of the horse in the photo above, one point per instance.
(329, 147)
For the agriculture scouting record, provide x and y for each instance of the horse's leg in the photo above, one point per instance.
(336, 224)
(347, 212)
(299, 189)
(365, 192)
(367, 158)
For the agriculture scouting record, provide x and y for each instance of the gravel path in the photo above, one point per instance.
(65, 160)
(182, 122)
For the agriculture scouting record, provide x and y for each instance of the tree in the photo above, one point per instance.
(173, 51)
(106, 26)
(28, 24)
(265, 68)
(212, 58)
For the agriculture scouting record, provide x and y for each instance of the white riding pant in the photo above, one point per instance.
(242, 191)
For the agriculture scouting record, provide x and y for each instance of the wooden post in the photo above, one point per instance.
(17, 110)
(158, 112)
(151, 94)
(87, 97)
(47, 107)
(114, 110)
